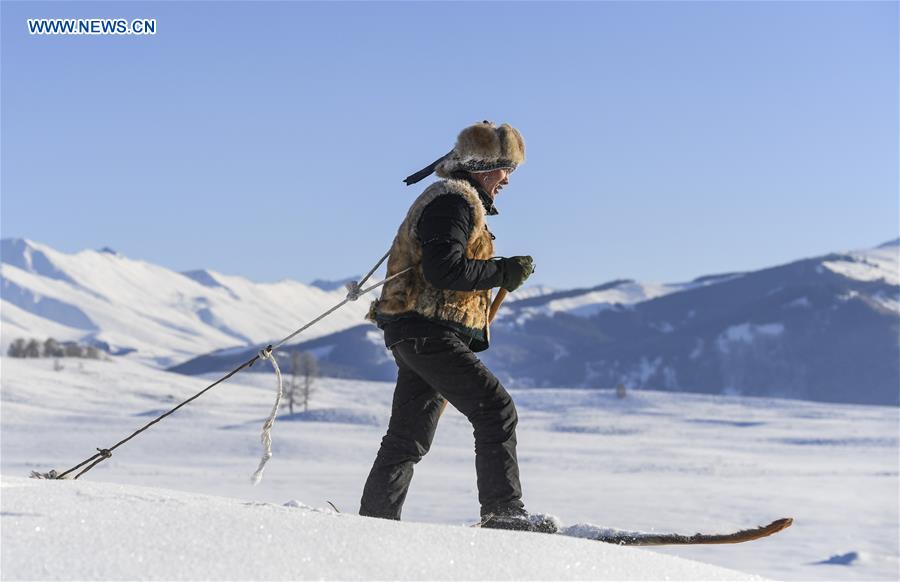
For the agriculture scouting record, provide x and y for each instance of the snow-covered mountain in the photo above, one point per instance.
(164, 317)
(824, 328)
(150, 312)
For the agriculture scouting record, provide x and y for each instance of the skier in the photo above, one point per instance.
(435, 317)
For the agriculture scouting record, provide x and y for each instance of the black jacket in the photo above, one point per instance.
(443, 229)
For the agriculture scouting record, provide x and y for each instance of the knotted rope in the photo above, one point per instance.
(355, 290)
(266, 354)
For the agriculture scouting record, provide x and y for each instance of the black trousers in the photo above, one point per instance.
(431, 370)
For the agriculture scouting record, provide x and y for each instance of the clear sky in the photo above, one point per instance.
(664, 140)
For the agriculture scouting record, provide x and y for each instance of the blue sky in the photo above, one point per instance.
(664, 140)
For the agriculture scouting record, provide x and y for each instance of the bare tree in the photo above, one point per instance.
(291, 388)
(304, 369)
(309, 371)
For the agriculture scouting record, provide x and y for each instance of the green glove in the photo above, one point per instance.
(515, 271)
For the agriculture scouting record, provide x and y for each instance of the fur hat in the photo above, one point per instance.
(479, 148)
(484, 147)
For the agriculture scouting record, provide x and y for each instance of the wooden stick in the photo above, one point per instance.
(495, 306)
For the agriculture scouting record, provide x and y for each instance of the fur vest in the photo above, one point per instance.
(411, 293)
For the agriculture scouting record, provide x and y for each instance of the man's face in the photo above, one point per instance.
(493, 181)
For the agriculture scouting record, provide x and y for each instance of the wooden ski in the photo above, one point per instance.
(631, 538)
(669, 539)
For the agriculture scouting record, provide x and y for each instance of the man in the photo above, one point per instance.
(435, 317)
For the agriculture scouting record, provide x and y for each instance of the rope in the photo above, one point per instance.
(353, 288)
(104, 454)
(354, 292)
(266, 437)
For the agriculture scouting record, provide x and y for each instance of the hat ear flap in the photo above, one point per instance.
(515, 144)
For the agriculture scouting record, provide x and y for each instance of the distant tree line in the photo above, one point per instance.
(50, 348)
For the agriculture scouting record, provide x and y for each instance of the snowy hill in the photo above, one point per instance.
(102, 531)
(652, 461)
(824, 328)
(149, 312)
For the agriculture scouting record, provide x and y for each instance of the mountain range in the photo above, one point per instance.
(825, 328)
(149, 312)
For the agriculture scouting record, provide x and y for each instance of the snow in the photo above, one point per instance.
(590, 302)
(624, 294)
(651, 461)
(802, 302)
(129, 532)
(697, 351)
(614, 295)
(881, 263)
(20, 323)
(528, 291)
(746, 333)
(888, 302)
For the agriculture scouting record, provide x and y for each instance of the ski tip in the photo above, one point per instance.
(780, 524)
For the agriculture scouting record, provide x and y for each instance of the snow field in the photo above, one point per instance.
(651, 461)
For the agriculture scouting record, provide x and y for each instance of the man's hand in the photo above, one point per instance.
(515, 271)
